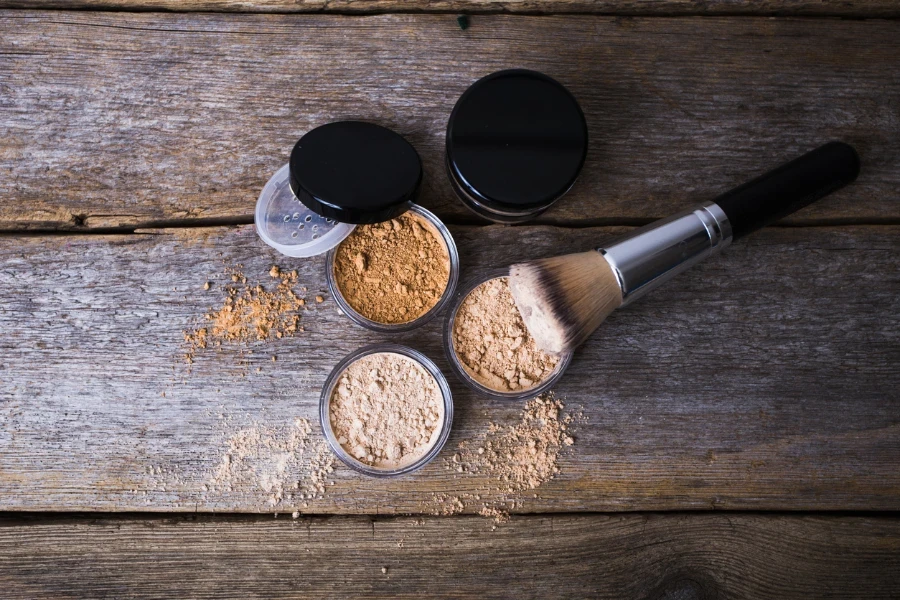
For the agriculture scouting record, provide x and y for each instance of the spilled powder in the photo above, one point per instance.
(515, 458)
(523, 456)
(493, 344)
(249, 313)
(393, 272)
(278, 465)
(281, 462)
(285, 466)
(386, 410)
(499, 515)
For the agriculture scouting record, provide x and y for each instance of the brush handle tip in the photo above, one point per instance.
(790, 187)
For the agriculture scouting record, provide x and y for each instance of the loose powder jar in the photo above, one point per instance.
(386, 410)
(351, 175)
(489, 347)
(516, 142)
(395, 276)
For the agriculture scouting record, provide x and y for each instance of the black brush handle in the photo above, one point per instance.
(789, 188)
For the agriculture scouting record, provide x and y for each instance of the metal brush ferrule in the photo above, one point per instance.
(653, 254)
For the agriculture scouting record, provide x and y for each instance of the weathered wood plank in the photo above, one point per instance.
(684, 556)
(766, 378)
(843, 8)
(118, 119)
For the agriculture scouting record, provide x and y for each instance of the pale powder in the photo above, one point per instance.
(522, 456)
(280, 461)
(393, 272)
(386, 410)
(492, 343)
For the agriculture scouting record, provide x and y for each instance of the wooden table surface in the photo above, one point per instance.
(740, 430)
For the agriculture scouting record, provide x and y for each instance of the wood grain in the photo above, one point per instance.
(764, 379)
(131, 119)
(685, 557)
(843, 8)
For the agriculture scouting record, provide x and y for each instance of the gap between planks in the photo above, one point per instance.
(16, 518)
(858, 10)
(158, 227)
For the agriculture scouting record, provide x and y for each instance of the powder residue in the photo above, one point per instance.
(283, 466)
(493, 344)
(386, 410)
(523, 456)
(281, 461)
(250, 313)
(499, 515)
(393, 272)
(515, 458)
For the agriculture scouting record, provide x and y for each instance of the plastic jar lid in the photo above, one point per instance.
(286, 224)
(340, 174)
(516, 142)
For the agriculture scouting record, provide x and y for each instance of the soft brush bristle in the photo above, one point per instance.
(565, 298)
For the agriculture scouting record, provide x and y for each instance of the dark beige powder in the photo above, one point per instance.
(494, 345)
(393, 272)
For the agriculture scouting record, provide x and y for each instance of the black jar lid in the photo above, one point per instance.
(355, 172)
(516, 141)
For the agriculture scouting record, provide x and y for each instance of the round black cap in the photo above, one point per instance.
(355, 172)
(516, 140)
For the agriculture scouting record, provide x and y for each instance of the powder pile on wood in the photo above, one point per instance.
(393, 272)
(282, 462)
(386, 410)
(516, 458)
(493, 344)
(523, 456)
(250, 313)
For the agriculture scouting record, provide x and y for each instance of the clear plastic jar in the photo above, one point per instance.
(325, 410)
(460, 371)
(445, 298)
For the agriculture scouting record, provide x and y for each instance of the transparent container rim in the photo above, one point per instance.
(459, 370)
(434, 311)
(328, 389)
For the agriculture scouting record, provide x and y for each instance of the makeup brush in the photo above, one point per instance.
(565, 298)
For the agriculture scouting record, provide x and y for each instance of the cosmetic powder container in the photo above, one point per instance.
(443, 234)
(516, 142)
(438, 437)
(341, 175)
(458, 367)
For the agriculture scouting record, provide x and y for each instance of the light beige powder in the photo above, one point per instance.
(493, 344)
(515, 458)
(522, 456)
(283, 462)
(386, 410)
